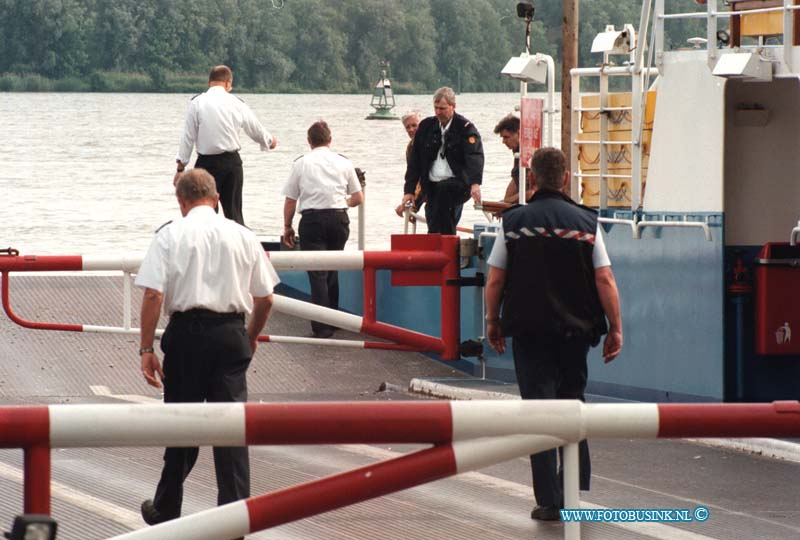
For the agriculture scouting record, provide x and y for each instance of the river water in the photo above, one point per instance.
(92, 173)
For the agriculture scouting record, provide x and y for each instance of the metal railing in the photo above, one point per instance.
(639, 72)
(436, 266)
(712, 14)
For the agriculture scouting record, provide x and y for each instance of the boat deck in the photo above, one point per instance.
(97, 492)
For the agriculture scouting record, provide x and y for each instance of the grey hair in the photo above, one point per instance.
(196, 185)
(412, 114)
(445, 93)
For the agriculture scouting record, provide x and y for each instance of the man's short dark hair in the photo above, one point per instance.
(220, 74)
(319, 134)
(508, 123)
(549, 165)
(196, 185)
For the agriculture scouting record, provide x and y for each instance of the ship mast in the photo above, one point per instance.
(569, 56)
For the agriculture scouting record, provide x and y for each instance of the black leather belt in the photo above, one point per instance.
(200, 313)
(221, 154)
(324, 211)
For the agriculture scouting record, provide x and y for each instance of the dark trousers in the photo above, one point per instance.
(324, 230)
(444, 203)
(205, 359)
(227, 171)
(552, 371)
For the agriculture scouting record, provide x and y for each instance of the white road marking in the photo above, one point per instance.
(698, 502)
(80, 499)
(130, 398)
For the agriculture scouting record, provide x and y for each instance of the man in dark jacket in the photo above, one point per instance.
(447, 160)
(550, 269)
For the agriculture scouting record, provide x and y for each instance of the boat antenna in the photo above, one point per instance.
(525, 11)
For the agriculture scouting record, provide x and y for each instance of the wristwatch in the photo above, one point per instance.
(146, 350)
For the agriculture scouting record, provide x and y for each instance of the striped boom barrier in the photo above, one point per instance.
(444, 262)
(467, 435)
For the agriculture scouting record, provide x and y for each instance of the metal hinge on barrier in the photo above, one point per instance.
(471, 348)
(479, 280)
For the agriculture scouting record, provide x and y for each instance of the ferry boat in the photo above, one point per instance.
(702, 234)
(693, 173)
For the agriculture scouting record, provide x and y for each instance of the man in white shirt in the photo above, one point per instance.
(321, 186)
(213, 121)
(208, 272)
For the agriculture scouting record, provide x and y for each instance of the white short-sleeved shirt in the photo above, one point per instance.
(213, 121)
(499, 256)
(206, 261)
(321, 180)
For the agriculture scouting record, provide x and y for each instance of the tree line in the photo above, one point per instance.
(285, 45)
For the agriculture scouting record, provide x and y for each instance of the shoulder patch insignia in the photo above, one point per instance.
(164, 225)
(472, 140)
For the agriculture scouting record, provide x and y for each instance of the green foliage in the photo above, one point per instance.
(304, 46)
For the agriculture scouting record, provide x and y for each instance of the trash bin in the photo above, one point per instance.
(777, 299)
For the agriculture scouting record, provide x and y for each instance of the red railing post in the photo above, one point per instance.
(37, 479)
(451, 299)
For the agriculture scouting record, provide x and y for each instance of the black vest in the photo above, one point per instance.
(550, 291)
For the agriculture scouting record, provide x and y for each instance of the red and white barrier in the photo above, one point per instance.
(436, 263)
(466, 435)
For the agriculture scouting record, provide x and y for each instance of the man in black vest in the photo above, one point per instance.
(447, 159)
(553, 276)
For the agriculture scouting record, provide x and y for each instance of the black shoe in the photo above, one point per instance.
(546, 513)
(323, 334)
(150, 515)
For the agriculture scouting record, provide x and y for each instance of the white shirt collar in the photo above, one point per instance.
(445, 128)
(201, 209)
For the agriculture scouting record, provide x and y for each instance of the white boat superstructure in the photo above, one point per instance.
(693, 171)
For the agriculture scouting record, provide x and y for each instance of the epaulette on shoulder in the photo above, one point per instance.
(298, 157)
(162, 226)
(194, 96)
(466, 124)
(240, 99)
(342, 155)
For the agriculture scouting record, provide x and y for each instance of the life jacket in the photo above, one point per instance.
(550, 292)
